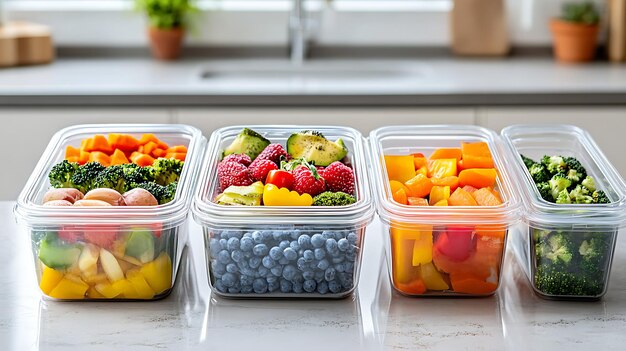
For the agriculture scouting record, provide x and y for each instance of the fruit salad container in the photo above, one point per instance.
(445, 197)
(94, 252)
(282, 251)
(565, 249)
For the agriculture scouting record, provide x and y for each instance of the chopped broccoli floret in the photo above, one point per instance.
(589, 183)
(539, 173)
(169, 194)
(85, 176)
(558, 183)
(167, 170)
(574, 165)
(61, 174)
(540, 234)
(527, 161)
(599, 197)
(593, 253)
(580, 195)
(135, 174)
(329, 198)
(158, 191)
(563, 197)
(574, 176)
(553, 281)
(554, 164)
(112, 177)
(545, 191)
(555, 249)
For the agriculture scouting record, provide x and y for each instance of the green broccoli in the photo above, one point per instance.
(329, 198)
(574, 165)
(554, 281)
(85, 176)
(558, 183)
(158, 191)
(539, 173)
(580, 195)
(593, 253)
(554, 164)
(599, 197)
(169, 194)
(589, 183)
(574, 176)
(112, 177)
(61, 174)
(135, 174)
(167, 170)
(527, 161)
(555, 250)
(545, 191)
(540, 234)
(563, 197)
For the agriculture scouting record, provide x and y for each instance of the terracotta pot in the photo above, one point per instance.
(574, 42)
(166, 43)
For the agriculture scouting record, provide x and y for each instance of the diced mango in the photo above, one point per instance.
(69, 289)
(158, 273)
(50, 278)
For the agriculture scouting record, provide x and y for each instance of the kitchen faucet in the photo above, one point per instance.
(298, 32)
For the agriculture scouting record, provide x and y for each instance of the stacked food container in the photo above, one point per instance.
(87, 249)
(566, 249)
(286, 250)
(436, 249)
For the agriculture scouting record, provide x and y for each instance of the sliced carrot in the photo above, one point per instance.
(149, 148)
(159, 153)
(484, 197)
(461, 197)
(146, 138)
(400, 197)
(177, 155)
(471, 161)
(417, 201)
(142, 160)
(471, 285)
(446, 153)
(419, 186)
(438, 193)
(71, 151)
(99, 156)
(177, 149)
(83, 144)
(478, 177)
(452, 182)
(84, 157)
(479, 148)
(441, 168)
(118, 158)
(98, 143)
(415, 287)
(124, 142)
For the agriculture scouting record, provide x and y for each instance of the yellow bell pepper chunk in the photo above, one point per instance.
(49, 279)
(107, 290)
(438, 193)
(92, 293)
(70, 289)
(144, 291)
(127, 289)
(432, 278)
(158, 273)
(423, 248)
(275, 196)
(403, 238)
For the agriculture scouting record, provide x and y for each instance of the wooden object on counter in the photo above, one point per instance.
(617, 30)
(23, 43)
(479, 28)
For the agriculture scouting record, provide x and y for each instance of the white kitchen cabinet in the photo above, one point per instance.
(28, 131)
(605, 124)
(363, 119)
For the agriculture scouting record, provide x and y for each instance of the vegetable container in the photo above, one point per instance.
(334, 276)
(441, 250)
(572, 230)
(63, 236)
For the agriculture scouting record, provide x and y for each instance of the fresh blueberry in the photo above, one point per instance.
(308, 275)
(223, 244)
(308, 255)
(276, 253)
(317, 240)
(298, 278)
(273, 286)
(309, 286)
(289, 272)
(246, 244)
(247, 235)
(338, 259)
(295, 234)
(277, 271)
(294, 245)
(283, 244)
(232, 244)
(351, 249)
(319, 276)
(266, 235)
(246, 280)
(228, 279)
(260, 250)
(301, 263)
(218, 267)
(259, 286)
(340, 267)
(247, 271)
(290, 254)
(351, 256)
(277, 235)
(349, 266)
(234, 290)
(297, 287)
(331, 245)
(320, 254)
(254, 262)
(242, 264)
(232, 268)
(322, 288)
(328, 234)
(352, 238)
(304, 241)
(219, 286)
(270, 278)
(256, 236)
(285, 286)
(236, 255)
(283, 261)
(214, 247)
(223, 257)
(329, 274)
(334, 287)
(263, 272)
(268, 262)
(323, 265)
(343, 244)
(346, 280)
(246, 289)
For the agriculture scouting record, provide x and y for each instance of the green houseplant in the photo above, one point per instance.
(168, 20)
(576, 32)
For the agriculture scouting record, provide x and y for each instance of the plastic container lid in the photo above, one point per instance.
(31, 211)
(534, 141)
(405, 140)
(209, 213)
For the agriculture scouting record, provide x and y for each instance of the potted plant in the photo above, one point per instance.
(576, 32)
(168, 19)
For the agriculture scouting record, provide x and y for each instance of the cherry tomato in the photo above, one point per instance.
(280, 178)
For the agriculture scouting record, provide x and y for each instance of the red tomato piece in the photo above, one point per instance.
(280, 178)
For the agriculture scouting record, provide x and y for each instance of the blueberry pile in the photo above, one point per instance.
(283, 261)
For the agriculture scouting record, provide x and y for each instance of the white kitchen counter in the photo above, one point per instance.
(374, 318)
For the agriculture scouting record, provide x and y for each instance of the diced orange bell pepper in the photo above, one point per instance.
(118, 158)
(159, 153)
(177, 155)
(468, 284)
(400, 196)
(100, 157)
(419, 186)
(446, 153)
(400, 168)
(441, 168)
(142, 160)
(414, 287)
(478, 177)
(71, 151)
(124, 142)
(476, 155)
(452, 182)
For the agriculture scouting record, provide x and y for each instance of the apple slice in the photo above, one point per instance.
(110, 266)
(88, 260)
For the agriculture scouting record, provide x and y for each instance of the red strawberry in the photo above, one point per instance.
(339, 177)
(306, 180)
(272, 152)
(259, 170)
(238, 158)
(232, 173)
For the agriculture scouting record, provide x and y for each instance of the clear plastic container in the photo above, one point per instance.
(543, 220)
(418, 262)
(69, 238)
(234, 272)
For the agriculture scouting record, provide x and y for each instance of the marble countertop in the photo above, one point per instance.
(374, 318)
(427, 81)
